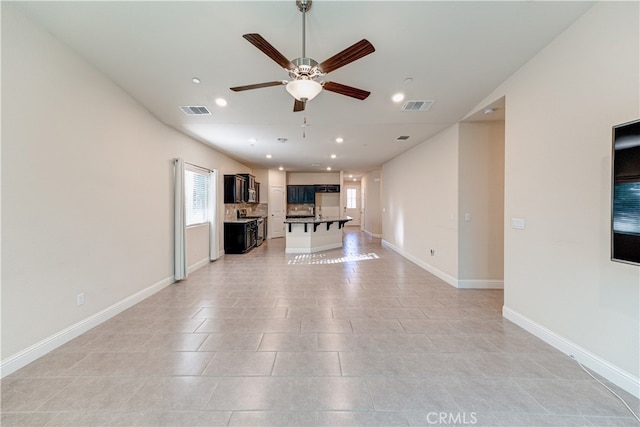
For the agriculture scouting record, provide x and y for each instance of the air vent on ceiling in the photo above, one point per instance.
(417, 105)
(402, 138)
(195, 110)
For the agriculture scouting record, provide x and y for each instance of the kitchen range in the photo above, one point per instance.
(244, 233)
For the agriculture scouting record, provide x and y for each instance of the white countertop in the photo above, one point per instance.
(317, 221)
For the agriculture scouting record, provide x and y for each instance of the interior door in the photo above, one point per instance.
(353, 203)
(277, 198)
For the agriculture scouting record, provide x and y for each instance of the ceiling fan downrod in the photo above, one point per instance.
(304, 6)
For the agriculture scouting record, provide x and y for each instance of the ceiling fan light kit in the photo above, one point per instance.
(305, 71)
(304, 90)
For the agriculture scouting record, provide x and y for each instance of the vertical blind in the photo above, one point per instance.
(196, 197)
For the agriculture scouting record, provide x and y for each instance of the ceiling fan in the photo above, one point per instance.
(304, 71)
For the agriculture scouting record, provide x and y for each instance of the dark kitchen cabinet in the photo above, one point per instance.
(309, 194)
(240, 237)
(294, 194)
(235, 189)
(251, 180)
(297, 194)
(327, 188)
(250, 194)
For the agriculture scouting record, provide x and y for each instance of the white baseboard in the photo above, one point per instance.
(198, 265)
(481, 284)
(39, 349)
(379, 236)
(431, 269)
(462, 284)
(617, 376)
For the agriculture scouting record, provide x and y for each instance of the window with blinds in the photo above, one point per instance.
(351, 198)
(196, 197)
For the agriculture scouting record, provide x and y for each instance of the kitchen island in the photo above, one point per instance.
(309, 235)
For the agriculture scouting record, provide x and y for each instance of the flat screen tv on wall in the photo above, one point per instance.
(625, 215)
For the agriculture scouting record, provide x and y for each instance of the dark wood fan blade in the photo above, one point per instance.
(353, 92)
(259, 85)
(258, 41)
(298, 105)
(350, 54)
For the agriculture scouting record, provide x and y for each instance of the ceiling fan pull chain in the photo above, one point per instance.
(304, 127)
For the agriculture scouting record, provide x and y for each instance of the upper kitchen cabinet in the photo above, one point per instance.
(297, 194)
(250, 195)
(327, 188)
(235, 189)
(241, 188)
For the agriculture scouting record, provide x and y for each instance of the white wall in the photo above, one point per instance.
(277, 177)
(197, 246)
(310, 178)
(420, 200)
(559, 281)
(328, 204)
(560, 110)
(481, 203)
(86, 185)
(561, 107)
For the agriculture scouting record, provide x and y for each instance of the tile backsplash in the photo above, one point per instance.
(231, 210)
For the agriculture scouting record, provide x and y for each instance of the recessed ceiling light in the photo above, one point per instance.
(489, 111)
(269, 156)
(354, 179)
(195, 80)
(339, 140)
(333, 156)
(328, 168)
(397, 97)
(280, 168)
(221, 102)
(350, 176)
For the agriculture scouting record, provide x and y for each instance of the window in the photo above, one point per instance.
(351, 198)
(196, 197)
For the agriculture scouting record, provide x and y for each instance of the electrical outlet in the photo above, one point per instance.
(80, 299)
(433, 252)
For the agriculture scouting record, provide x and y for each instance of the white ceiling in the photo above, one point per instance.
(456, 53)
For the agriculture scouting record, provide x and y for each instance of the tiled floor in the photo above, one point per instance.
(358, 336)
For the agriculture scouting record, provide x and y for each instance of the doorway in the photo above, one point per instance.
(353, 203)
(276, 212)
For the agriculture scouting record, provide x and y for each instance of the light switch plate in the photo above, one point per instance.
(517, 223)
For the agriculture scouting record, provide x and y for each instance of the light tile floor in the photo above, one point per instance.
(351, 337)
